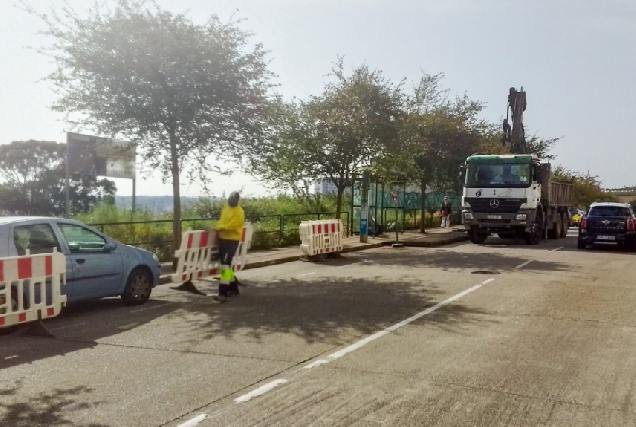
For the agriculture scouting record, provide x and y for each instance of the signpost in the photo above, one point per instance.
(364, 208)
(88, 155)
(394, 196)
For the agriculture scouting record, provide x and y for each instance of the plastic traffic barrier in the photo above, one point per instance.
(198, 256)
(321, 237)
(31, 288)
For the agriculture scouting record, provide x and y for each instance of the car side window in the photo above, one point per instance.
(37, 238)
(81, 239)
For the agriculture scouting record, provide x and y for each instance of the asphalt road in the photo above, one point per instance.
(501, 334)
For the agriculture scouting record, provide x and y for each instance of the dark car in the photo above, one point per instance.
(608, 223)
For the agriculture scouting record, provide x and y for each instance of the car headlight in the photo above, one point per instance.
(521, 217)
(468, 215)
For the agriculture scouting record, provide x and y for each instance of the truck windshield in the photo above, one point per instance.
(496, 175)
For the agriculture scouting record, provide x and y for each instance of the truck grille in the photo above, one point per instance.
(494, 204)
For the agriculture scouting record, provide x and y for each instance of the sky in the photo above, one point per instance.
(576, 59)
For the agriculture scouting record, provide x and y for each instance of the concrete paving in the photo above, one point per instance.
(499, 334)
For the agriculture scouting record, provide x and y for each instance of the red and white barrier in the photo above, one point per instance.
(321, 237)
(198, 256)
(31, 288)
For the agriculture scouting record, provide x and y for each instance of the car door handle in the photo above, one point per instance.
(80, 261)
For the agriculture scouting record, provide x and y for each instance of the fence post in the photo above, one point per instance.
(282, 221)
(101, 228)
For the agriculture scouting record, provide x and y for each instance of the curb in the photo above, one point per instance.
(283, 260)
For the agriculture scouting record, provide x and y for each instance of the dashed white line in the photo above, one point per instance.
(523, 264)
(150, 308)
(316, 363)
(194, 421)
(128, 326)
(557, 249)
(11, 357)
(259, 391)
(405, 322)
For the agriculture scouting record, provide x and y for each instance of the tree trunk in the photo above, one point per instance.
(339, 202)
(423, 206)
(176, 196)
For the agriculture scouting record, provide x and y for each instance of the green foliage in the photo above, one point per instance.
(332, 135)
(35, 181)
(182, 92)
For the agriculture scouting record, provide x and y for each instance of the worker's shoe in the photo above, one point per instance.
(219, 298)
(233, 290)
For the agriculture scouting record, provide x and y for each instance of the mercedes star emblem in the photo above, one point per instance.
(494, 203)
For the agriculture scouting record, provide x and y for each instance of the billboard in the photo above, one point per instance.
(93, 156)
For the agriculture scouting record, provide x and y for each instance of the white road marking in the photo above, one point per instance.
(556, 249)
(367, 340)
(306, 274)
(151, 308)
(316, 363)
(194, 421)
(11, 357)
(67, 326)
(259, 391)
(523, 264)
(128, 326)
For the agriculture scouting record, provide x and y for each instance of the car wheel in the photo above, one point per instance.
(138, 288)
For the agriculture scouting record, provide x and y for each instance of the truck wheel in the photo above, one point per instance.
(555, 231)
(534, 237)
(477, 237)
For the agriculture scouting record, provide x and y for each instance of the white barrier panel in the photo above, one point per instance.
(198, 256)
(31, 287)
(321, 237)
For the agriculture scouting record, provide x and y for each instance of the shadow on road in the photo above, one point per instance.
(45, 409)
(449, 260)
(321, 310)
(98, 319)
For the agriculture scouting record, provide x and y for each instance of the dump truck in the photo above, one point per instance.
(514, 196)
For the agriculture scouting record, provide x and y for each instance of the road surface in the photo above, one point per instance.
(502, 334)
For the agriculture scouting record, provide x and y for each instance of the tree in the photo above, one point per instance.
(35, 181)
(333, 135)
(182, 92)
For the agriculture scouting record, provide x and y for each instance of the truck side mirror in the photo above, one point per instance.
(536, 173)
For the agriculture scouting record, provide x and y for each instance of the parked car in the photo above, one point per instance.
(608, 223)
(97, 266)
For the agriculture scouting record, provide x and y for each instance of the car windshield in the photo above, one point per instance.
(609, 211)
(507, 174)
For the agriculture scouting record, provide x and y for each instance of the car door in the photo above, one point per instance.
(97, 266)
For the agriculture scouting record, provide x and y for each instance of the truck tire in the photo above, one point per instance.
(477, 237)
(555, 231)
(534, 237)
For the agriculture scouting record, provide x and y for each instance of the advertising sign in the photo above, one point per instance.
(95, 156)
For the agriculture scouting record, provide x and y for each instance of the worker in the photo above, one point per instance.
(230, 230)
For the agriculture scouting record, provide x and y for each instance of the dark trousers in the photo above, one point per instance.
(227, 250)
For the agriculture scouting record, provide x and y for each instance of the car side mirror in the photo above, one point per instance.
(109, 247)
(74, 247)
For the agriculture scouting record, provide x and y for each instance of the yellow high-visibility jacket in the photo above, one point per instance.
(230, 226)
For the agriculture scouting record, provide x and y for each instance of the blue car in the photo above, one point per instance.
(96, 265)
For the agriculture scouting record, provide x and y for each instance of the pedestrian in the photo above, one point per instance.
(446, 212)
(230, 230)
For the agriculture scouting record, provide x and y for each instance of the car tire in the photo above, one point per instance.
(476, 237)
(138, 287)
